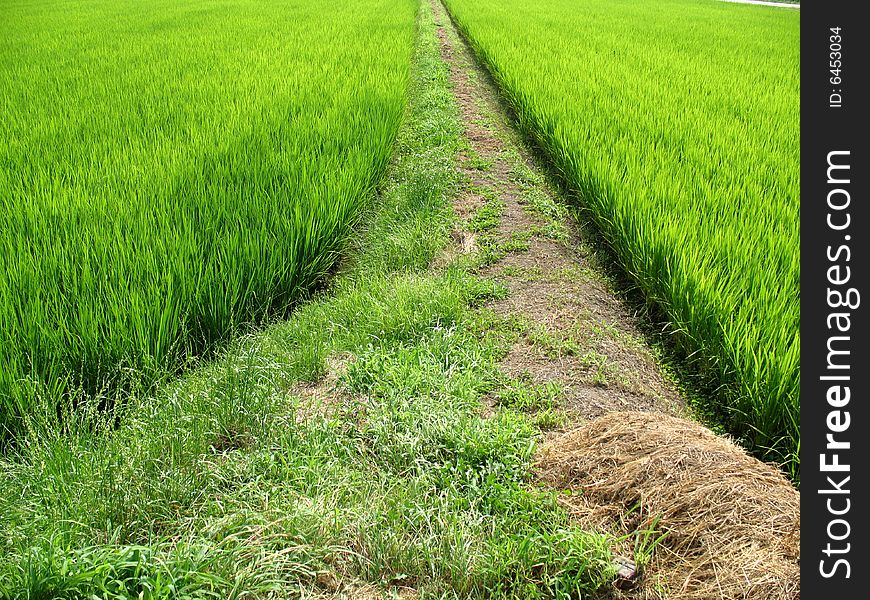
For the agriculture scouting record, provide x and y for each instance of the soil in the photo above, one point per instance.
(582, 336)
(554, 284)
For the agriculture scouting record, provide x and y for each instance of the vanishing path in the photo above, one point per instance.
(576, 335)
(761, 3)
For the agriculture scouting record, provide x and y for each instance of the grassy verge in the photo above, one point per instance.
(341, 450)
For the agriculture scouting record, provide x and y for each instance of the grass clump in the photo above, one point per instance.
(177, 172)
(486, 217)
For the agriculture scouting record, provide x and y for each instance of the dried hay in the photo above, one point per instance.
(732, 523)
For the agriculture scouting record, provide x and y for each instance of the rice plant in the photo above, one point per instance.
(677, 122)
(174, 170)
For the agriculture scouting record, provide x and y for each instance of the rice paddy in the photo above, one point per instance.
(171, 172)
(677, 124)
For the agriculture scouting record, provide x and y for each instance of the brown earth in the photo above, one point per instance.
(554, 285)
(731, 523)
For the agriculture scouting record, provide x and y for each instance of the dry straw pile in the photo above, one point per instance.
(732, 523)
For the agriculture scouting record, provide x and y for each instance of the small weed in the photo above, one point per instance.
(550, 418)
(479, 290)
(645, 540)
(490, 251)
(482, 190)
(518, 241)
(520, 172)
(553, 230)
(503, 331)
(486, 217)
(533, 273)
(473, 160)
(598, 363)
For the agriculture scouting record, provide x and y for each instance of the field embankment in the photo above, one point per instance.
(173, 171)
(684, 148)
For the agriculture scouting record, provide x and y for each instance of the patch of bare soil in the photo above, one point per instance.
(331, 588)
(324, 396)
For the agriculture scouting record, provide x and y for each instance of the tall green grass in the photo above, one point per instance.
(173, 170)
(678, 124)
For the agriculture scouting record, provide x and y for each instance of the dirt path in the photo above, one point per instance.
(577, 335)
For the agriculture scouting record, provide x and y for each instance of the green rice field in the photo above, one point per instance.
(173, 171)
(677, 123)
